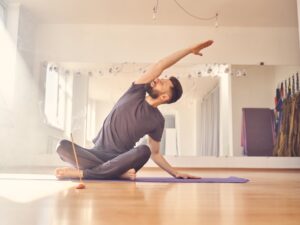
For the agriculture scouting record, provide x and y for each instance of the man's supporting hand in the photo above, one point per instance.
(185, 176)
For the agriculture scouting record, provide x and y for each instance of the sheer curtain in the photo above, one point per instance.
(209, 124)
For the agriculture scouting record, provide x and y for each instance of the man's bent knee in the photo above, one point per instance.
(63, 147)
(145, 151)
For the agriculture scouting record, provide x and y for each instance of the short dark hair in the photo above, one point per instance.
(176, 90)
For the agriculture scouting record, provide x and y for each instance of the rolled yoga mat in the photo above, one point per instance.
(175, 180)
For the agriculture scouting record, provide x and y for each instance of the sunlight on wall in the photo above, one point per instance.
(22, 130)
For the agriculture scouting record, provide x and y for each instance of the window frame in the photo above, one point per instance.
(3, 6)
(59, 118)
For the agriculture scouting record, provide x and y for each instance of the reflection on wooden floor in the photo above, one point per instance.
(271, 197)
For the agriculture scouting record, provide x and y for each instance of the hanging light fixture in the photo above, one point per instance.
(215, 17)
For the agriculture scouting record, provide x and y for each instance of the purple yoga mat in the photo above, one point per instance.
(174, 180)
(258, 131)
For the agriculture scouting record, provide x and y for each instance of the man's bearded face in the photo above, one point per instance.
(149, 89)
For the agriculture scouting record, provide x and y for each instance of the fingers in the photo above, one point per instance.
(181, 176)
(199, 47)
(198, 53)
(208, 43)
(195, 177)
(192, 177)
(187, 176)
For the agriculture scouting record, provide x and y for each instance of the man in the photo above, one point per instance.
(133, 116)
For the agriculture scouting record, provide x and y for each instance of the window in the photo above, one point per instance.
(91, 120)
(169, 142)
(57, 97)
(2, 12)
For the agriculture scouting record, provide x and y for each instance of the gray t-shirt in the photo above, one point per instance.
(130, 119)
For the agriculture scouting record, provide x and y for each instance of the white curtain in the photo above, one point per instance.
(209, 124)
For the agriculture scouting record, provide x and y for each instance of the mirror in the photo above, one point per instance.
(258, 117)
(86, 96)
(195, 125)
(182, 133)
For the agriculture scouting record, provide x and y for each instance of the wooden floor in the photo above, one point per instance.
(271, 197)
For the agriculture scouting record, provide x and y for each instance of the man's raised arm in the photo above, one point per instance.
(156, 69)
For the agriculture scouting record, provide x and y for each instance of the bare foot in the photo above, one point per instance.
(67, 172)
(129, 175)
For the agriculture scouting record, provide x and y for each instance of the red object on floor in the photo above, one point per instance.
(80, 186)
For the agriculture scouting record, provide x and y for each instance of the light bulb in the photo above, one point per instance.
(216, 22)
(154, 13)
(155, 9)
(154, 16)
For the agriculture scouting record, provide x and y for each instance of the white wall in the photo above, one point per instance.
(298, 7)
(115, 43)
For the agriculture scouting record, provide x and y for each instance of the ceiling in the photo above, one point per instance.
(248, 13)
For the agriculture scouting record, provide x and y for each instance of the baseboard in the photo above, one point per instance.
(231, 162)
(52, 160)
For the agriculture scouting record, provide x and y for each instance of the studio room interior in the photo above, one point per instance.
(149, 112)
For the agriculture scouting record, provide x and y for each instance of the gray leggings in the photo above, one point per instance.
(97, 164)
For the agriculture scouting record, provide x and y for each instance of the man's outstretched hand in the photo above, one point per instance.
(186, 176)
(197, 48)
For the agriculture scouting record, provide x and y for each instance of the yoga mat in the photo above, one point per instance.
(258, 131)
(175, 180)
(230, 179)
